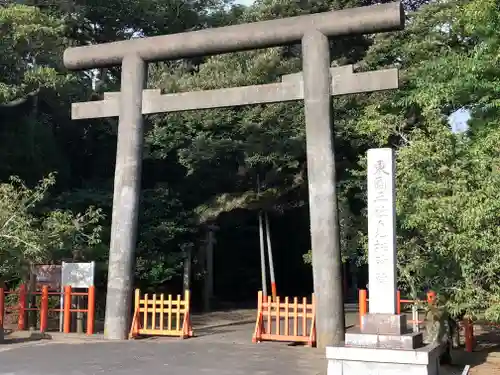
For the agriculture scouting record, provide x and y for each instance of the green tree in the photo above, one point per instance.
(447, 203)
(29, 236)
(34, 95)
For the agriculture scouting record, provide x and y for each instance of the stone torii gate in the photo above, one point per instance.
(315, 85)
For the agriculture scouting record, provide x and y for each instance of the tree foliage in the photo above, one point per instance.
(28, 237)
(447, 197)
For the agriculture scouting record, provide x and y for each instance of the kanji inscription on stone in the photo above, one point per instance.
(381, 231)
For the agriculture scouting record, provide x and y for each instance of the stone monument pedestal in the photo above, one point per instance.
(383, 346)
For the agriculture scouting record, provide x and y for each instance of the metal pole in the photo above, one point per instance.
(415, 317)
(262, 247)
(326, 257)
(270, 256)
(262, 256)
(125, 198)
(186, 280)
(61, 301)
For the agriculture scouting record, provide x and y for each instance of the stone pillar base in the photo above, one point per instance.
(349, 360)
(411, 340)
(384, 324)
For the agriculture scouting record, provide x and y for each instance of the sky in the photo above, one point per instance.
(458, 120)
(244, 2)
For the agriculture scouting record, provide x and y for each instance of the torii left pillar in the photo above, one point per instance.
(125, 197)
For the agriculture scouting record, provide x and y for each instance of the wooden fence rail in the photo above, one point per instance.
(161, 315)
(285, 320)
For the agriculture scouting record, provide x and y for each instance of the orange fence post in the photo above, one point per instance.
(363, 305)
(267, 302)
(67, 309)
(398, 302)
(2, 306)
(146, 312)
(188, 329)
(312, 336)
(91, 311)
(135, 326)
(22, 307)
(259, 324)
(44, 309)
(469, 335)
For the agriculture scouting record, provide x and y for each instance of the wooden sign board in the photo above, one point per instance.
(48, 275)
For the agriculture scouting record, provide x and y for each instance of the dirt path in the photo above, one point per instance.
(485, 360)
(484, 363)
(486, 369)
(218, 318)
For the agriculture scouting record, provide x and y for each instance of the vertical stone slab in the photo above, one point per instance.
(382, 280)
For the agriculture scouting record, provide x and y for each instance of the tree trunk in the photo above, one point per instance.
(209, 275)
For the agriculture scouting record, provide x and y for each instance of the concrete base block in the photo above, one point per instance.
(413, 340)
(345, 360)
(384, 324)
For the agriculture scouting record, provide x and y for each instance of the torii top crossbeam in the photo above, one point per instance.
(362, 20)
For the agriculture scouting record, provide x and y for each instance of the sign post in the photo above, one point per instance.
(76, 275)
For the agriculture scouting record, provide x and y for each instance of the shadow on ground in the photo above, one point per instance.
(14, 337)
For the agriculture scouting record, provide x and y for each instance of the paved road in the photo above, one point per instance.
(221, 351)
(217, 351)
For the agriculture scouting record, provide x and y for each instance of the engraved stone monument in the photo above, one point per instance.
(381, 236)
(383, 345)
